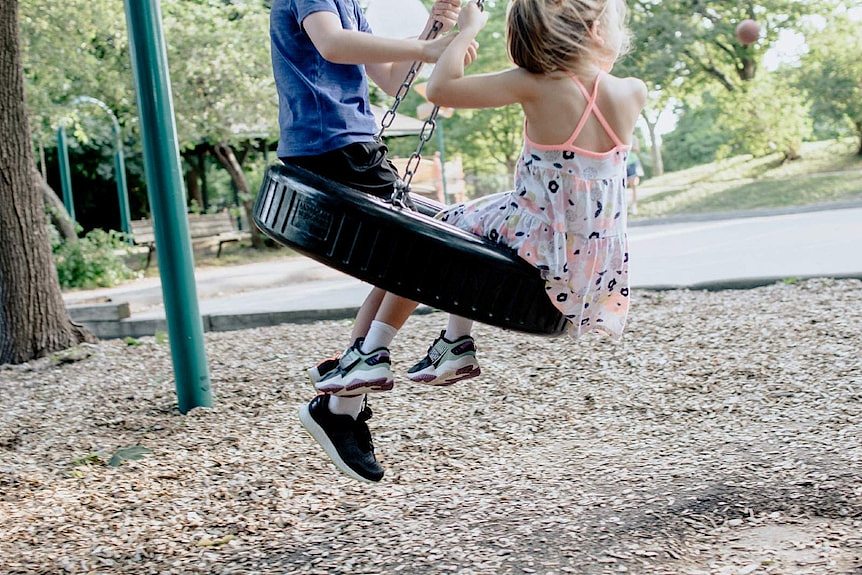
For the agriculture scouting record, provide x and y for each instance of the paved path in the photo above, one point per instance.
(732, 252)
(813, 243)
(214, 282)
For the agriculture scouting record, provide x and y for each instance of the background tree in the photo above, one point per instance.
(698, 134)
(225, 94)
(700, 35)
(764, 117)
(221, 78)
(489, 140)
(831, 74)
(33, 318)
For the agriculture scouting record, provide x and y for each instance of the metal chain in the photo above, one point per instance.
(400, 195)
(405, 86)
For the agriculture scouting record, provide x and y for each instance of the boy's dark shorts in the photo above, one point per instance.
(364, 166)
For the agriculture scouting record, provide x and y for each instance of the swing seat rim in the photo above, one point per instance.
(367, 238)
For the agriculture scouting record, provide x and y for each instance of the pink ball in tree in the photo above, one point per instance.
(748, 32)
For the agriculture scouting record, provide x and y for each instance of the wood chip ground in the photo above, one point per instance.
(722, 436)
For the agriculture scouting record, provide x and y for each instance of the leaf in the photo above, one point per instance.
(89, 459)
(207, 542)
(129, 340)
(134, 452)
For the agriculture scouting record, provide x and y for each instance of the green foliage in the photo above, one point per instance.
(131, 453)
(221, 71)
(92, 261)
(693, 44)
(697, 137)
(826, 172)
(763, 117)
(74, 48)
(831, 75)
(88, 459)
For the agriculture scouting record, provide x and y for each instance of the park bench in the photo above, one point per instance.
(203, 229)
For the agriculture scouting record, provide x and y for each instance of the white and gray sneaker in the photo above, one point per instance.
(447, 362)
(358, 373)
(319, 371)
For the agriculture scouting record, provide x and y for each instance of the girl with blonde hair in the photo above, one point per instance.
(567, 213)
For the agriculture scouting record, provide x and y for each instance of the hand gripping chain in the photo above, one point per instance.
(400, 196)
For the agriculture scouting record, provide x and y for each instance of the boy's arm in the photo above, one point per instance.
(342, 46)
(390, 76)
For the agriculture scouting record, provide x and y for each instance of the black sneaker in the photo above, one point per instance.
(345, 440)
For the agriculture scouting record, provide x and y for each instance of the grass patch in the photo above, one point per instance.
(827, 172)
(771, 193)
(234, 254)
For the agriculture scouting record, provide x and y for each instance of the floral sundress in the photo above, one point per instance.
(567, 217)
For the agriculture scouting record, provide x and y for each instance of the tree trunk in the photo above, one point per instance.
(56, 210)
(859, 135)
(202, 170)
(225, 154)
(193, 182)
(748, 69)
(655, 151)
(655, 147)
(33, 318)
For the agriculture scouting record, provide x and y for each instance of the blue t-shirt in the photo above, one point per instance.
(321, 106)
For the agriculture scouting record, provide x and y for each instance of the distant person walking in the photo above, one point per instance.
(634, 173)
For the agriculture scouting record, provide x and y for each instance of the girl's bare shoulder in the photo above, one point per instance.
(627, 89)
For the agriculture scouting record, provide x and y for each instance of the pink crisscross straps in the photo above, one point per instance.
(592, 108)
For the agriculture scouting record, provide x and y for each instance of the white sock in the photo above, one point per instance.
(458, 327)
(346, 405)
(379, 335)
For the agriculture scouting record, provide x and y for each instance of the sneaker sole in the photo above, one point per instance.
(447, 378)
(358, 387)
(319, 435)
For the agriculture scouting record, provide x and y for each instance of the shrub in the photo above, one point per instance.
(93, 261)
(763, 117)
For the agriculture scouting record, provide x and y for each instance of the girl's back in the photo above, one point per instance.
(567, 213)
(553, 117)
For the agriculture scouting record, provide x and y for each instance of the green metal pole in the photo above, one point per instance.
(122, 188)
(65, 171)
(119, 162)
(167, 202)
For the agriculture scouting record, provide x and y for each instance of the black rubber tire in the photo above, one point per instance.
(394, 248)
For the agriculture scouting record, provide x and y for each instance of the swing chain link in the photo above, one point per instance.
(405, 86)
(400, 195)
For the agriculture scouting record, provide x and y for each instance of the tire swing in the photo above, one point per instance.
(390, 246)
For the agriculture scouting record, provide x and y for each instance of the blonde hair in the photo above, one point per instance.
(546, 36)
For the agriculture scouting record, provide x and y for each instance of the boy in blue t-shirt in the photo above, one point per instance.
(321, 53)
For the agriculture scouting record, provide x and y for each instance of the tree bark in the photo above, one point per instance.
(33, 318)
(56, 210)
(859, 135)
(193, 181)
(655, 147)
(225, 154)
(202, 170)
(748, 69)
